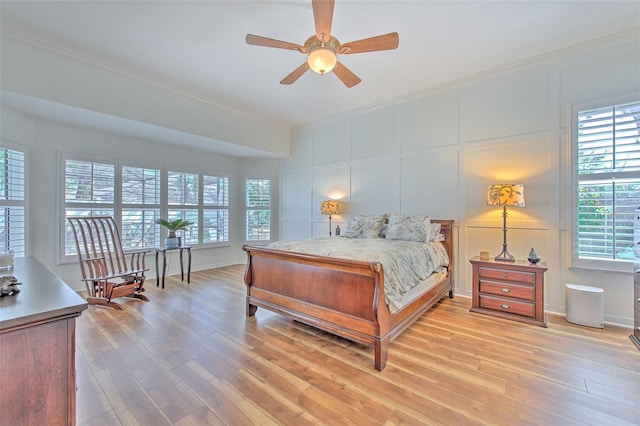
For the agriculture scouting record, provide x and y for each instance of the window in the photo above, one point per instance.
(215, 215)
(12, 200)
(608, 181)
(139, 196)
(89, 190)
(140, 207)
(258, 209)
(183, 203)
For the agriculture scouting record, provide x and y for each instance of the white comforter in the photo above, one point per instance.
(405, 263)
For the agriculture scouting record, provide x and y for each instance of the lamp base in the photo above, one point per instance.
(505, 257)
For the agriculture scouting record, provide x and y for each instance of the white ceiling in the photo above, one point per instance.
(198, 47)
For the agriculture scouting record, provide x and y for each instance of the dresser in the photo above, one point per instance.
(635, 337)
(37, 348)
(510, 290)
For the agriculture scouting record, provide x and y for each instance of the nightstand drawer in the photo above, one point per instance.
(525, 292)
(508, 305)
(507, 275)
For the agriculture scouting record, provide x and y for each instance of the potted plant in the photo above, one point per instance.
(173, 225)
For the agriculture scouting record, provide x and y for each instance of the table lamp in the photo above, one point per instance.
(505, 195)
(329, 207)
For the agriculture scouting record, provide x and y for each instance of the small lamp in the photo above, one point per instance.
(329, 207)
(505, 195)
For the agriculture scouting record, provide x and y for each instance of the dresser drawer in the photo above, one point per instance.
(525, 292)
(510, 306)
(507, 275)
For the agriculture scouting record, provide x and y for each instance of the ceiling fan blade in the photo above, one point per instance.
(345, 75)
(382, 42)
(323, 15)
(270, 42)
(296, 74)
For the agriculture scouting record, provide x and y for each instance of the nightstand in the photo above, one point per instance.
(510, 290)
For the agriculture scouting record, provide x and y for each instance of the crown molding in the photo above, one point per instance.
(77, 56)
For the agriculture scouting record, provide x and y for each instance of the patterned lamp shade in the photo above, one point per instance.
(506, 195)
(329, 207)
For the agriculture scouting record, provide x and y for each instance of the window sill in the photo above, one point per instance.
(624, 266)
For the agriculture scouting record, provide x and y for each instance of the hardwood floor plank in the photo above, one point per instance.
(249, 410)
(190, 357)
(256, 382)
(202, 416)
(378, 388)
(175, 399)
(91, 401)
(578, 407)
(615, 393)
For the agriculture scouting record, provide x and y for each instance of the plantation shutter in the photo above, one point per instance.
(608, 169)
(183, 196)
(90, 183)
(89, 190)
(215, 209)
(258, 212)
(140, 207)
(12, 200)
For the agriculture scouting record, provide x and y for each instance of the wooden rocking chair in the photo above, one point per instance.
(103, 262)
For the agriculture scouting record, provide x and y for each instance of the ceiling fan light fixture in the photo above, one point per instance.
(322, 59)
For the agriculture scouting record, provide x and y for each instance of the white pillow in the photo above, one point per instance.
(409, 228)
(354, 227)
(372, 225)
(435, 234)
(364, 226)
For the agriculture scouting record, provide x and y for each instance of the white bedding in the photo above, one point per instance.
(405, 263)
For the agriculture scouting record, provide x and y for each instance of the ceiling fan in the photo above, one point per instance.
(322, 48)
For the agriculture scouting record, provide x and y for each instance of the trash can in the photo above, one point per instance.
(584, 305)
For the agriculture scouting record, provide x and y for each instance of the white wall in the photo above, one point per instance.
(437, 152)
(45, 141)
(42, 71)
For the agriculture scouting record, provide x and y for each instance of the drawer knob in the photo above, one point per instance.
(506, 290)
(505, 275)
(503, 306)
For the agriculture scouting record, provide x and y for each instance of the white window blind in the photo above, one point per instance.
(183, 189)
(137, 196)
(89, 183)
(258, 209)
(183, 196)
(140, 207)
(12, 200)
(215, 194)
(608, 175)
(89, 190)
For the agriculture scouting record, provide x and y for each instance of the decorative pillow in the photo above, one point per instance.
(371, 226)
(409, 228)
(385, 225)
(364, 226)
(435, 232)
(354, 227)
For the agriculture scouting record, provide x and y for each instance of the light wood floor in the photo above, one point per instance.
(190, 357)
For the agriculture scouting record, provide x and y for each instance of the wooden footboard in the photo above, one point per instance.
(341, 296)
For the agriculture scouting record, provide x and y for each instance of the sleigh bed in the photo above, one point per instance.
(342, 296)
